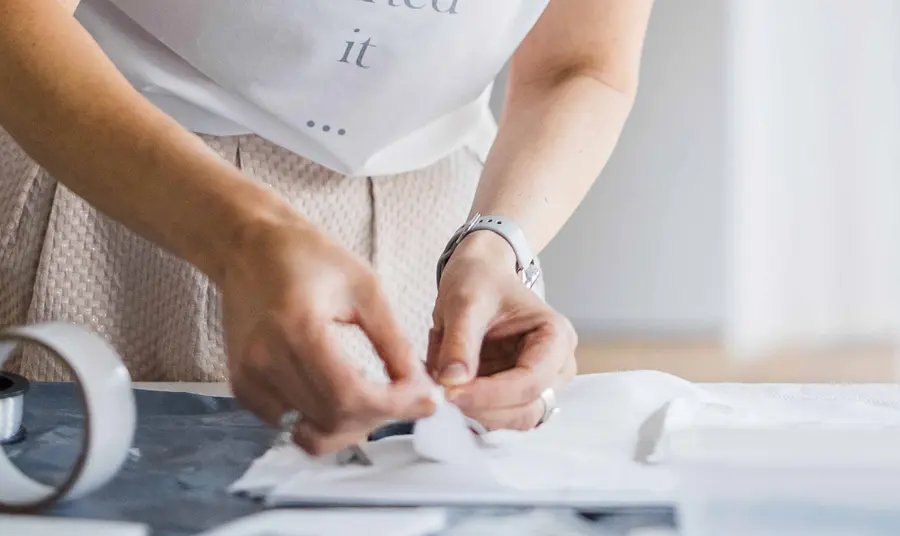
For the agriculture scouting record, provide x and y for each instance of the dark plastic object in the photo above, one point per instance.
(13, 385)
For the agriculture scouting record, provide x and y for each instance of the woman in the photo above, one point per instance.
(263, 176)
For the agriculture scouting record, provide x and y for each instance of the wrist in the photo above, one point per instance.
(502, 246)
(486, 245)
(253, 220)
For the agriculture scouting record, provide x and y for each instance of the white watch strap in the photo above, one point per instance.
(527, 265)
(510, 232)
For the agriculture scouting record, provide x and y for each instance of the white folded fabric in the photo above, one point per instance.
(604, 448)
(535, 523)
(822, 407)
(445, 437)
(17, 524)
(337, 522)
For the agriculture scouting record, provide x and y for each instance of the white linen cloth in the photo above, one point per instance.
(601, 450)
(337, 522)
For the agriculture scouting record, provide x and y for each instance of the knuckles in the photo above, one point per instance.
(366, 285)
(531, 391)
(523, 421)
(256, 361)
(339, 412)
(562, 327)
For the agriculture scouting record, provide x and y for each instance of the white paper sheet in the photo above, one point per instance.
(593, 454)
(22, 525)
(445, 437)
(338, 522)
(537, 523)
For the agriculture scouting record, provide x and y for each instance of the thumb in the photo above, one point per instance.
(460, 343)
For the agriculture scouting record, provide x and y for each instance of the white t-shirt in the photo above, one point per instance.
(365, 87)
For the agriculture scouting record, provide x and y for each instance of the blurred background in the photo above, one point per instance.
(746, 227)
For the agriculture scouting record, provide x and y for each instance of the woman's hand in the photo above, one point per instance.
(497, 343)
(281, 296)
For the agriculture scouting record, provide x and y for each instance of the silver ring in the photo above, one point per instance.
(548, 397)
(289, 420)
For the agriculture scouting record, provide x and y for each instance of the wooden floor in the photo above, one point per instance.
(706, 361)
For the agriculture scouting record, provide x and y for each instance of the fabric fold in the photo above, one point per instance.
(607, 447)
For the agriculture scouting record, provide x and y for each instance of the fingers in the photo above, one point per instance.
(522, 418)
(345, 399)
(264, 379)
(526, 416)
(543, 357)
(376, 319)
(318, 443)
(569, 371)
(461, 338)
(262, 402)
(434, 347)
(376, 403)
(269, 366)
(284, 356)
(308, 373)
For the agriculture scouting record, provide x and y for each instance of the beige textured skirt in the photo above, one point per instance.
(61, 260)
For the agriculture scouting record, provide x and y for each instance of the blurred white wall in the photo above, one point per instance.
(645, 252)
(815, 173)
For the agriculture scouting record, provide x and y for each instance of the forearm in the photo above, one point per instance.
(69, 108)
(554, 140)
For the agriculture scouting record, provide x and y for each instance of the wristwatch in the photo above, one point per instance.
(527, 265)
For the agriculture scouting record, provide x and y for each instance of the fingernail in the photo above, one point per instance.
(455, 374)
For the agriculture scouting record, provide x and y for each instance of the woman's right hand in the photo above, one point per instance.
(282, 292)
(283, 282)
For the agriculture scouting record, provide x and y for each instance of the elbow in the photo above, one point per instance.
(623, 81)
(611, 80)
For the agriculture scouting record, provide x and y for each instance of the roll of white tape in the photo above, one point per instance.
(109, 409)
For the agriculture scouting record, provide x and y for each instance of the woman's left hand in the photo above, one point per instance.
(496, 344)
